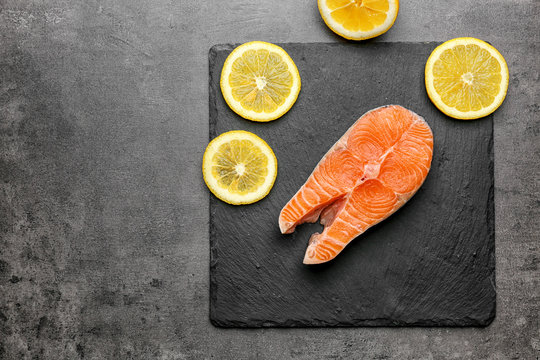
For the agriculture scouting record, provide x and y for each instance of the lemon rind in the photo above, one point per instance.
(222, 194)
(359, 35)
(452, 111)
(236, 106)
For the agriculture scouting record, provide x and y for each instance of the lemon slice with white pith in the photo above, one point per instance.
(466, 78)
(239, 167)
(359, 19)
(260, 81)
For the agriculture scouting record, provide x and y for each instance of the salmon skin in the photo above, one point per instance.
(375, 168)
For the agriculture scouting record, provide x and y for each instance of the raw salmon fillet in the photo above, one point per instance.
(375, 168)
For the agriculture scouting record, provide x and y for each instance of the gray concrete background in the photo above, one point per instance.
(103, 212)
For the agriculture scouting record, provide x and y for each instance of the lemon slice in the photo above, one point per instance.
(466, 78)
(359, 19)
(260, 81)
(239, 167)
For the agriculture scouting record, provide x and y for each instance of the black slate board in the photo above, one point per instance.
(430, 264)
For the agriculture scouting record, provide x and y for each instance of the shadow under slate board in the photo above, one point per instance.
(430, 264)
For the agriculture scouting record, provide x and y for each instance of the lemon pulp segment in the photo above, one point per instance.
(240, 166)
(260, 80)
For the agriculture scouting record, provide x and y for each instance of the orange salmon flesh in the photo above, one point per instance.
(375, 168)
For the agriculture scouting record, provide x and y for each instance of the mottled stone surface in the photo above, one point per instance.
(104, 247)
(429, 264)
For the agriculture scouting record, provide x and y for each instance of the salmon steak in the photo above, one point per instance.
(369, 173)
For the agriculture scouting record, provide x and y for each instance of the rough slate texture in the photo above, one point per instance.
(430, 264)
